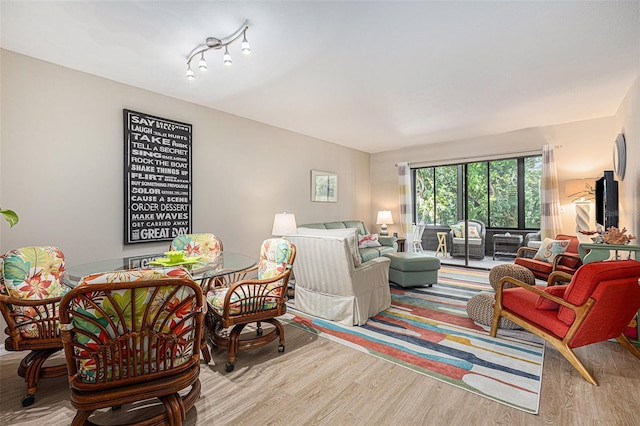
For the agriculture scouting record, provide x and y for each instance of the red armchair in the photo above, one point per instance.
(568, 262)
(597, 305)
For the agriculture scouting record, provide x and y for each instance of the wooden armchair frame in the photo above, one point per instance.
(530, 252)
(245, 303)
(45, 317)
(123, 373)
(568, 262)
(251, 296)
(561, 344)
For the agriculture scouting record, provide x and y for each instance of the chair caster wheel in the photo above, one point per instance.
(28, 400)
(229, 367)
(281, 348)
(259, 332)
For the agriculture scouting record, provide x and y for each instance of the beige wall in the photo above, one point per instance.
(586, 150)
(62, 166)
(628, 122)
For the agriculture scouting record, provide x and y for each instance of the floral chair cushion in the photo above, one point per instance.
(128, 275)
(101, 321)
(33, 273)
(206, 245)
(275, 258)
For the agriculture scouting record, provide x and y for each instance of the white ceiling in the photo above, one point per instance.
(371, 75)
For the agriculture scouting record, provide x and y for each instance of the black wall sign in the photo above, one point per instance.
(157, 178)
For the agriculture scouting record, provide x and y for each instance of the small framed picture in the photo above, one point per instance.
(324, 186)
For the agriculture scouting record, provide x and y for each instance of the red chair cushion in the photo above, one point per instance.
(556, 290)
(523, 303)
(568, 262)
(589, 276)
(617, 301)
(539, 268)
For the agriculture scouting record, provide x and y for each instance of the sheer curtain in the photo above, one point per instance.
(550, 223)
(404, 191)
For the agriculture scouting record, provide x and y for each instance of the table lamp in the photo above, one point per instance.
(580, 192)
(384, 219)
(284, 223)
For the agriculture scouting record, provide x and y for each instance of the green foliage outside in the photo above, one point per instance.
(492, 193)
(532, 177)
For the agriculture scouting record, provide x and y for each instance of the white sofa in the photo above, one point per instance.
(330, 286)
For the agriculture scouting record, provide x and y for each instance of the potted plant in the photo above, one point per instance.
(10, 216)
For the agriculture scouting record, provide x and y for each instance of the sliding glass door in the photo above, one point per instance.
(502, 194)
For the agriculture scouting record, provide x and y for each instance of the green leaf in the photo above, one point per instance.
(10, 216)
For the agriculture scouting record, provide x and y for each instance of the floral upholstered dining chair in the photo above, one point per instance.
(130, 275)
(252, 301)
(205, 245)
(30, 292)
(133, 335)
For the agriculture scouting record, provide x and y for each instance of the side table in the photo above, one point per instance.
(401, 244)
(442, 243)
(506, 245)
(598, 252)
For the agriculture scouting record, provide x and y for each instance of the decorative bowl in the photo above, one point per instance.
(175, 255)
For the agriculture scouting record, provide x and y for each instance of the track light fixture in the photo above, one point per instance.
(217, 44)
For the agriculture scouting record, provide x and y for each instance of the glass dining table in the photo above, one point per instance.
(225, 263)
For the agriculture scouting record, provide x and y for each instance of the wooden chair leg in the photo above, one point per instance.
(575, 362)
(32, 370)
(81, 418)
(624, 341)
(494, 323)
(174, 409)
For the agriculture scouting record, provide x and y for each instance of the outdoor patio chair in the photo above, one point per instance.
(418, 230)
(475, 237)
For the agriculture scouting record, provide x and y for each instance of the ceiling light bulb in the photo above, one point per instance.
(202, 65)
(246, 49)
(190, 74)
(227, 56)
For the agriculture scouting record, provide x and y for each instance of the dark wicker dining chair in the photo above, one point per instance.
(30, 292)
(252, 301)
(130, 336)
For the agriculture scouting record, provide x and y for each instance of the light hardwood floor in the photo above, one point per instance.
(317, 381)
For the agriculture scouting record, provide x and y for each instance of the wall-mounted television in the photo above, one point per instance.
(607, 211)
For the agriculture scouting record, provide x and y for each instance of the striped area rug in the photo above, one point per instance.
(426, 329)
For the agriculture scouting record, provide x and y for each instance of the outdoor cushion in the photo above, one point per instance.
(472, 241)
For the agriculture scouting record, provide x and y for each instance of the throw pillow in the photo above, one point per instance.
(351, 234)
(370, 240)
(457, 229)
(473, 232)
(556, 290)
(550, 248)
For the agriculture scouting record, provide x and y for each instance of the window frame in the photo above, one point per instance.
(461, 208)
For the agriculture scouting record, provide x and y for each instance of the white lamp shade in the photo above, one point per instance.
(384, 218)
(284, 223)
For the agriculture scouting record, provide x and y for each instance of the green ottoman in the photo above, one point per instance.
(413, 269)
